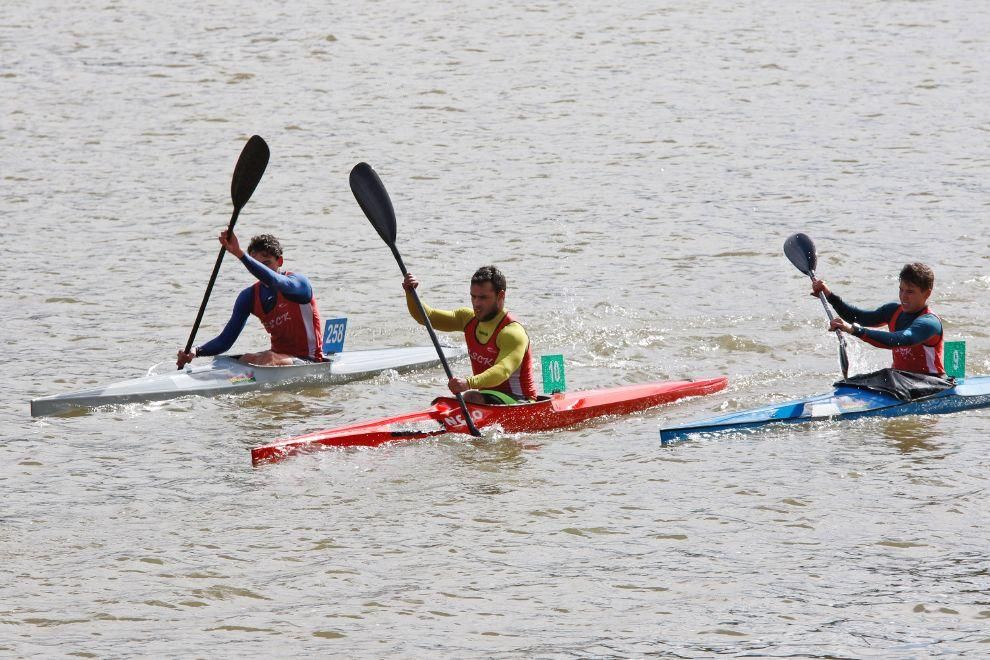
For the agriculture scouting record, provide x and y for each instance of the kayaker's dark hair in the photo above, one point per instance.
(489, 274)
(919, 275)
(265, 243)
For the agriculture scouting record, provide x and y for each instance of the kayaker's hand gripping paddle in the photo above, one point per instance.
(247, 173)
(370, 193)
(800, 250)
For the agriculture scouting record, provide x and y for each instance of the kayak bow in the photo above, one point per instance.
(445, 416)
(841, 404)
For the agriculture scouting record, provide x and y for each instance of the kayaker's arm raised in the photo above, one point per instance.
(295, 287)
(441, 319)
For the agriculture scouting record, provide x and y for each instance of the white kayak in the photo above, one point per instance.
(226, 375)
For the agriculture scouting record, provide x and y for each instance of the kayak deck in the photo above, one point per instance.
(227, 375)
(445, 416)
(845, 403)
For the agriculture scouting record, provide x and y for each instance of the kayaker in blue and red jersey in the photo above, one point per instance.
(282, 301)
(498, 345)
(914, 332)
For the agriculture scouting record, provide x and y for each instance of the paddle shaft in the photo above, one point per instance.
(843, 357)
(436, 343)
(248, 171)
(422, 312)
(371, 196)
(213, 279)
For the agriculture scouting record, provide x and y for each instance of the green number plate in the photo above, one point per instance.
(955, 359)
(553, 374)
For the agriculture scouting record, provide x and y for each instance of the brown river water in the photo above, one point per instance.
(634, 168)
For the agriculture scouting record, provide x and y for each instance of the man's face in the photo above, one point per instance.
(913, 298)
(266, 258)
(485, 302)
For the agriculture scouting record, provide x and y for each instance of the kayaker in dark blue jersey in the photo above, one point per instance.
(283, 301)
(914, 333)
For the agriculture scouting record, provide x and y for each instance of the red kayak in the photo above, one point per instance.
(445, 416)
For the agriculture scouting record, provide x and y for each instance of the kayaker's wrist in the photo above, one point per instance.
(857, 330)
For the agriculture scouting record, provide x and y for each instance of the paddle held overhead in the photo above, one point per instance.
(247, 174)
(371, 196)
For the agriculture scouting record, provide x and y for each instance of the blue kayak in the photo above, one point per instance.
(842, 403)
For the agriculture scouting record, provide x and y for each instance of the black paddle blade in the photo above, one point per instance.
(800, 249)
(370, 193)
(247, 173)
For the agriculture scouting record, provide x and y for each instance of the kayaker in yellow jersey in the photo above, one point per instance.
(497, 344)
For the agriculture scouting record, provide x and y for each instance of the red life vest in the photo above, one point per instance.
(924, 358)
(294, 327)
(483, 356)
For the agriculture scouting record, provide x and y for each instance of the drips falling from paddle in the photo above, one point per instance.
(371, 196)
(247, 173)
(800, 250)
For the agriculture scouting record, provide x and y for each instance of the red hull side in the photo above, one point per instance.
(445, 416)
(571, 408)
(411, 426)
